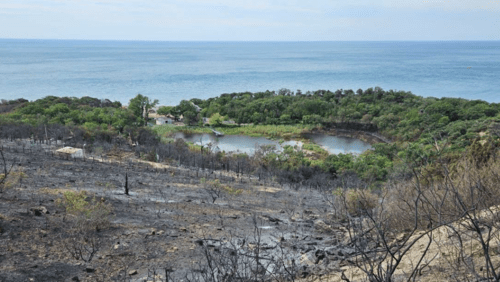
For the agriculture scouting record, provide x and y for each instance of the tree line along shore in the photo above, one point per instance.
(416, 129)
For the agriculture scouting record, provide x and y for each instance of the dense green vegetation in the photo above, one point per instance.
(398, 115)
(422, 130)
(90, 113)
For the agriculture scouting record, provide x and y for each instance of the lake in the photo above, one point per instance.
(248, 145)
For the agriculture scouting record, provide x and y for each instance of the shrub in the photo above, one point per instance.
(356, 201)
(13, 178)
(90, 212)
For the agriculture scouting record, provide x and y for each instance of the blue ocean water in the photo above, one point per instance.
(172, 71)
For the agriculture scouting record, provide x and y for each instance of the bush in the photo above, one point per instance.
(13, 178)
(356, 201)
(89, 212)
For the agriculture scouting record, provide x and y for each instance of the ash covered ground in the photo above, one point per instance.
(169, 227)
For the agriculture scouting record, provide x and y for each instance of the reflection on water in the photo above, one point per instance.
(337, 144)
(248, 145)
(233, 143)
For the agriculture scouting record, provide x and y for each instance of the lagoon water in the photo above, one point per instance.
(233, 143)
(172, 71)
(339, 144)
(248, 145)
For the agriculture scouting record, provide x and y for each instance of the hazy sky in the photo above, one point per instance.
(263, 20)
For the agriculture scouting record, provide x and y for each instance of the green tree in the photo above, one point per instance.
(56, 109)
(165, 110)
(335, 164)
(140, 106)
(188, 110)
(190, 117)
(215, 119)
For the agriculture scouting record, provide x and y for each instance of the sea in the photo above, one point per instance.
(174, 71)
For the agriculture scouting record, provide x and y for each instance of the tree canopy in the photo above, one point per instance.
(140, 105)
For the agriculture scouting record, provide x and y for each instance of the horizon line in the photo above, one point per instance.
(256, 41)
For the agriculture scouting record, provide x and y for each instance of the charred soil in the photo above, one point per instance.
(157, 231)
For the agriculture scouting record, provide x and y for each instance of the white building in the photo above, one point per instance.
(164, 120)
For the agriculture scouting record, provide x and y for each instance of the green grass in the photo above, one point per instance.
(316, 149)
(270, 131)
(168, 130)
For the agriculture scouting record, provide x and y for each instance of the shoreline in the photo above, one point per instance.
(368, 137)
(365, 136)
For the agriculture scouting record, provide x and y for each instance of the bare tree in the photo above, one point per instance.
(213, 188)
(245, 258)
(6, 171)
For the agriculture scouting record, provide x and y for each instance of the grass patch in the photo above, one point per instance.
(269, 131)
(54, 191)
(193, 147)
(286, 132)
(168, 130)
(316, 149)
(232, 191)
(14, 178)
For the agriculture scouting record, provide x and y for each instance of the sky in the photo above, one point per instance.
(251, 20)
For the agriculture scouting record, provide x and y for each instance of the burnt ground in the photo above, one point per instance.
(161, 224)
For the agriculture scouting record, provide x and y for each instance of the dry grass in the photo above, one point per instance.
(453, 222)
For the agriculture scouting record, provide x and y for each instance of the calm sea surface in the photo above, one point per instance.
(172, 71)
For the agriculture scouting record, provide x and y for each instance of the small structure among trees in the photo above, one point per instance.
(70, 152)
(164, 120)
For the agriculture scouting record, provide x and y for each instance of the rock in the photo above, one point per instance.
(89, 270)
(199, 242)
(172, 250)
(183, 229)
(75, 278)
(38, 211)
(132, 272)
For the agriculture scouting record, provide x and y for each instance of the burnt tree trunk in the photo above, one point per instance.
(126, 183)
